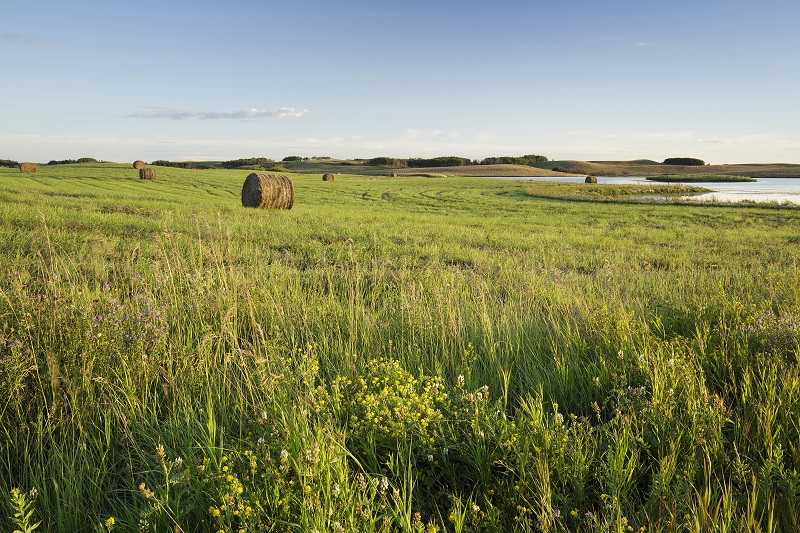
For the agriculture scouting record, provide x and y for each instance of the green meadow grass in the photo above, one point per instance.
(393, 354)
(700, 178)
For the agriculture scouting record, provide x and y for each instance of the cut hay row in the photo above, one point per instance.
(268, 191)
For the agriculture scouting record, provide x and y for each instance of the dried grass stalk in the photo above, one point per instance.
(138, 164)
(147, 173)
(327, 177)
(268, 191)
(590, 179)
(27, 168)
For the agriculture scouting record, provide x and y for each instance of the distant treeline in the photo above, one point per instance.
(418, 162)
(254, 163)
(72, 161)
(293, 158)
(446, 161)
(8, 163)
(685, 161)
(248, 162)
(454, 161)
(528, 160)
(174, 164)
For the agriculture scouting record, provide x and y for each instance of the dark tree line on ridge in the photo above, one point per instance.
(383, 161)
(72, 161)
(685, 161)
(454, 161)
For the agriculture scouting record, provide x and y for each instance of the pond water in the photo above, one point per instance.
(777, 190)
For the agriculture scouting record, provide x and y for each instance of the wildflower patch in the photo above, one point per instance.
(386, 404)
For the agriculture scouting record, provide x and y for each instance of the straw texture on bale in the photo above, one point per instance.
(591, 179)
(327, 177)
(27, 167)
(138, 164)
(147, 173)
(268, 191)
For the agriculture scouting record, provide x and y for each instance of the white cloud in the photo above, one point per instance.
(27, 40)
(249, 114)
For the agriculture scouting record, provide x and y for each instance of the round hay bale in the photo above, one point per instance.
(590, 179)
(327, 177)
(394, 174)
(147, 174)
(138, 164)
(268, 191)
(27, 168)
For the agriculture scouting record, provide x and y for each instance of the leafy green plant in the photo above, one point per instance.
(23, 508)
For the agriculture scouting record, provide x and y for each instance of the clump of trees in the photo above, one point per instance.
(446, 161)
(8, 163)
(387, 162)
(72, 161)
(291, 158)
(685, 161)
(528, 160)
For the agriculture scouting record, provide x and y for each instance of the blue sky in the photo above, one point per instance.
(568, 79)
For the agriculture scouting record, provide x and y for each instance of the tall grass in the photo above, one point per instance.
(415, 354)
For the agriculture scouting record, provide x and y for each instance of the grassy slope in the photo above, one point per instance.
(650, 168)
(533, 297)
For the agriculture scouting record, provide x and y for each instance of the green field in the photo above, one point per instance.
(393, 354)
(700, 178)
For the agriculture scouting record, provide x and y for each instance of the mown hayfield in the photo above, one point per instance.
(393, 354)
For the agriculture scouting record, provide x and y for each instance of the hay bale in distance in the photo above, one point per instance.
(147, 174)
(27, 168)
(327, 177)
(590, 179)
(268, 191)
(138, 164)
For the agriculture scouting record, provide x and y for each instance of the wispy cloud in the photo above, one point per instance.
(248, 114)
(26, 40)
(716, 140)
(423, 133)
